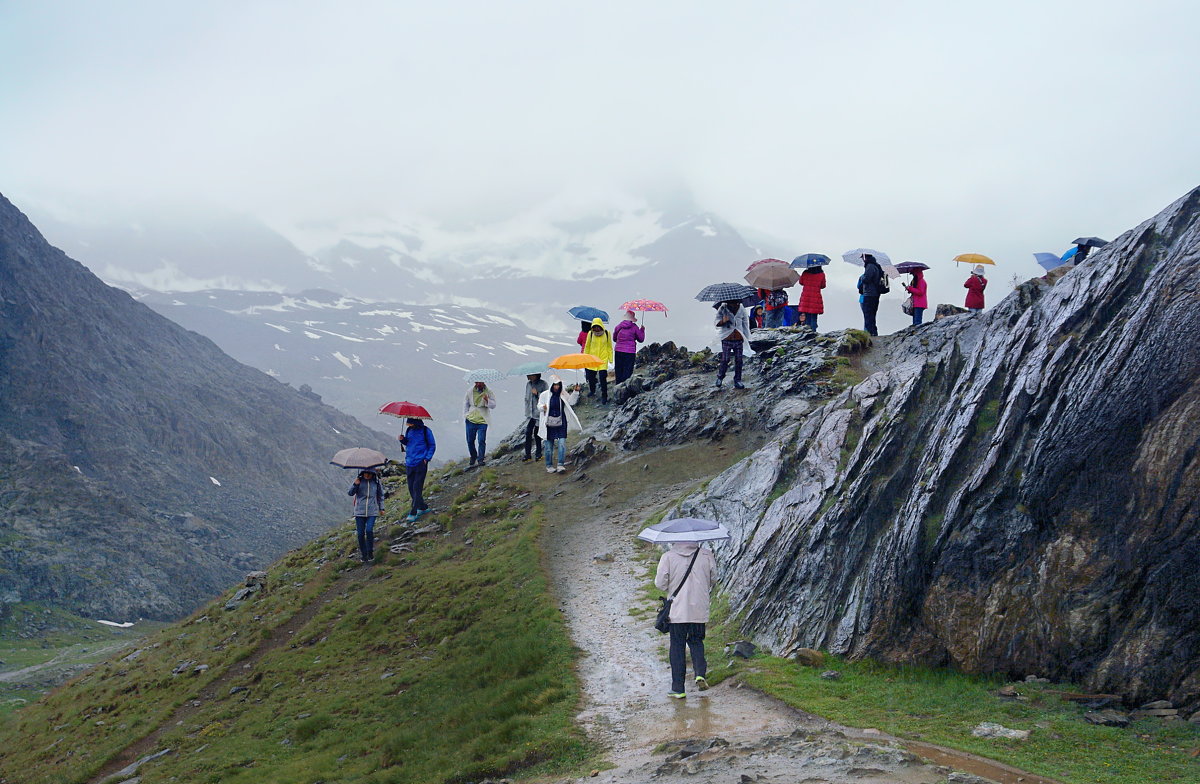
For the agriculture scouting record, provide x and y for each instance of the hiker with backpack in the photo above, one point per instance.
(871, 286)
(418, 445)
(775, 302)
(599, 344)
(687, 572)
(367, 492)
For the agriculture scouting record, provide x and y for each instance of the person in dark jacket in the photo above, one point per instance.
(975, 286)
(419, 445)
(534, 387)
(871, 286)
(812, 304)
(367, 491)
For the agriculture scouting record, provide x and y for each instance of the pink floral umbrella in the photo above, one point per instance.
(643, 305)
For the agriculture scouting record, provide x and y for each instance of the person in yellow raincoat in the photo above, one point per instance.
(599, 344)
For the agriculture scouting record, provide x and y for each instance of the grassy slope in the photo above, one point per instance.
(475, 654)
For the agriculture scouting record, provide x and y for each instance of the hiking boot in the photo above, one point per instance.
(678, 695)
(482, 462)
(701, 683)
(717, 383)
(471, 464)
(738, 385)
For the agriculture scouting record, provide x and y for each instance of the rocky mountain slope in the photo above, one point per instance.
(1013, 492)
(141, 470)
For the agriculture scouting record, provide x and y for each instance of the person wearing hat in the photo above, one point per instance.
(418, 445)
(477, 411)
(367, 492)
(975, 286)
(599, 344)
(555, 413)
(534, 387)
(625, 339)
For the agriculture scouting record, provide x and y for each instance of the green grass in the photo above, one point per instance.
(448, 664)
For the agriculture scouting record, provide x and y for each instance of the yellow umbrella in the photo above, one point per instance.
(973, 258)
(577, 361)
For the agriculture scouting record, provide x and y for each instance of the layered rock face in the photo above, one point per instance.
(1015, 492)
(141, 469)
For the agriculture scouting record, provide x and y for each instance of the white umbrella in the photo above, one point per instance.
(855, 257)
(484, 374)
(685, 529)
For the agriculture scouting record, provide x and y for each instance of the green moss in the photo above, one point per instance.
(987, 417)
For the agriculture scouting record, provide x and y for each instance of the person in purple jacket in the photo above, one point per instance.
(626, 336)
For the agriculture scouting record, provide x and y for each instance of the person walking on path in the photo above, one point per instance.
(555, 414)
(599, 344)
(534, 387)
(477, 411)
(367, 492)
(625, 339)
(689, 608)
(871, 286)
(733, 330)
(774, 303)
(418, 445)
(975, 286)
(919, 289)
(812, 304)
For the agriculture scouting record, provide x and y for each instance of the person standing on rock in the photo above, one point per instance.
(975, 286)
(775, 303)
(733, 330)
(534, 387)
(418, 445)
(871, 286)
(689, 608)
(625, 339)
(367, 491)
(584, 327)
(919, 289)
(477, 411)
(599, 344)
(812, 304)
(555, 414)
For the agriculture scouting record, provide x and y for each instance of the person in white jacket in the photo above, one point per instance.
(477, 411)
(554, 415)
(733, 330)
(689, 609)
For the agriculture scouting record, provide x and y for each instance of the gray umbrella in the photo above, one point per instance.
(484, 374)
(358, 457)
(685, 529)
(725, 292)
(1094, 242)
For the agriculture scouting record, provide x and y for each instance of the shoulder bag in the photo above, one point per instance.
(663, 621)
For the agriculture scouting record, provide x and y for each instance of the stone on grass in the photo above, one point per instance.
(809, 657)
(743, 648)
(990, 729)
(831, 675)
(1158, 705)
(1107, 718)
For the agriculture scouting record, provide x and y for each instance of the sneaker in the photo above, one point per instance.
(412, 518)
(550, 469)
(560, 469)
(738, 385)
(701, 683)
(678, 695)
(424, 511)
(526, 459)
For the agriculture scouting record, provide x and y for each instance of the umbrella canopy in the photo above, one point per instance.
(1094, 242)
(1070, 254)
(483, 374)
(358, 457)
(810, 260)
(725, 292)
(405, 410)
(973, 258)
(772, 274)
(760, 262)
(643, 305)
(911, 266)
(587, 313)
(576, 361)
(1050, 260)
(529, 368)
(685, 529)
(855, 257)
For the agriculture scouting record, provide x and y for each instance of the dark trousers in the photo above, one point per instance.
(597, 375)
(531, 437)
(870, 306)
(810, 320)
(624, 365)
(416, 485)
(366, 536)
(773, 318)
(736, 348)
(476, 441)
(690, 635)
(918, 315)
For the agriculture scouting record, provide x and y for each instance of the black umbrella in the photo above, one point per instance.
(725, 292)
(1092, 242)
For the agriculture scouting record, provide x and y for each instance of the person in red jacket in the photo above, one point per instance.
(920, 296)
(975, 286)
(812, 304)
(584, 328)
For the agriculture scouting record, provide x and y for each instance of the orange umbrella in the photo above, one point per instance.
(576, 361)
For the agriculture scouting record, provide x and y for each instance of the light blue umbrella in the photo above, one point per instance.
(685, 529)
(587, 313)
(1070, 254)
(484, 374)
(1049, 260)
(810, 260)
(529, 368)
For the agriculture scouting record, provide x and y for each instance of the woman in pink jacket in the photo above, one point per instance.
(920, 299)
(975, 286)
(625, 339)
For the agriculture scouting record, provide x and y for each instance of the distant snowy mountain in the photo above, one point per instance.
(358, 355)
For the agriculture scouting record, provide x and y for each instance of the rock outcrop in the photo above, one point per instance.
(1011, 492)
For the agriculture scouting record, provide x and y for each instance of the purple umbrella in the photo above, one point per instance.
(911, 266)
(685, 529)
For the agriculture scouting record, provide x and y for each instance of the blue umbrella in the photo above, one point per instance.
(1049, 260)
(529, 368)
(810, 260)
(1070, 254)
(726, 292)
(587, 313)
(685, 529)
(483, 374)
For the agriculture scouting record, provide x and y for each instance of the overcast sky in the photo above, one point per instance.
(924, 128)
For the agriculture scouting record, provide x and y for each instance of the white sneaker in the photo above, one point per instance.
(549, 469)
(560, 469)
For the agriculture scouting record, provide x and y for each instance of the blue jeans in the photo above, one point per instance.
(366, 536)
(561, 444)
(773, 318)
(918, 315)
(810, 320)
(476, 434)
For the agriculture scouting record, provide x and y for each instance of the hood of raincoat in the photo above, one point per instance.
(685, 548)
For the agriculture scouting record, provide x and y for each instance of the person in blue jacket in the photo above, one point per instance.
(419, 446)
(368, 504)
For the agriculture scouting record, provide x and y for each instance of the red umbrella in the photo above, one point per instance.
(405, 410)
